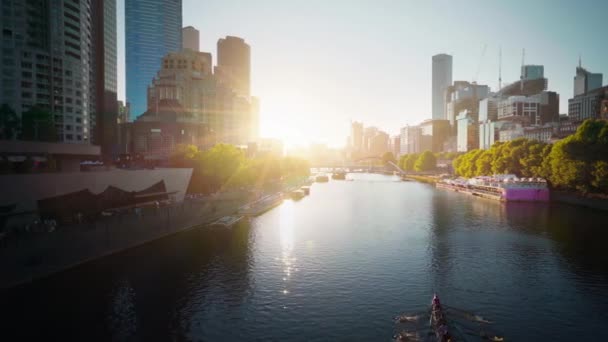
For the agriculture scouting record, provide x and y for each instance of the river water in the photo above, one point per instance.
(338, 265)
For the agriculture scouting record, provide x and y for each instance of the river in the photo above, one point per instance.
(338, 265)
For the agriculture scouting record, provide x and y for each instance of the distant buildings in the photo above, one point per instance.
(467, 131)
(153, 28)
(590, 99)
(433, 134)
(463, 95)
(442, 79)
(410, 138)
(532, 72)
(234, 64)
(585, 81)
(186, 77)
(190, 38)
(156, 133)
(365, 142)
(590, 105)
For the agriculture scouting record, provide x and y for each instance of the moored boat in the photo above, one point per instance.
(506, 188)
(340, 175)
(227, 222)
(322, 179)
(297, 194)
(261, 205)
(306, 190)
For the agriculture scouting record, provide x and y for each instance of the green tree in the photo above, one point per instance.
(38, 124)
(426, 162)
(388, 157)
(9, 123)
(410, 161)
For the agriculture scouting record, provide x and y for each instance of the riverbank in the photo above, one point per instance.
(564, 197)
(38, 255)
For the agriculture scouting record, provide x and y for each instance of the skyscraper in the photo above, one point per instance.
(585, 80)
(104, 102)
(442, 78)
(190, 38)
(46, 66)
(234, 64)
(153, 29)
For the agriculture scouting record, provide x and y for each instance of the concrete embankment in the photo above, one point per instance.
(579, 200)
(25, 258)
(422, 178)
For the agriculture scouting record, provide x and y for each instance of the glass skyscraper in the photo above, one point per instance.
(153, 28)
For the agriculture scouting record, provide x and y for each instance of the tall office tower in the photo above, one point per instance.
(46, 67)
(356, 135)
(442, 78)
(234, 64)
(532, 72)
(190, 38)
(104, 103)
(153, 29)
(585, 80)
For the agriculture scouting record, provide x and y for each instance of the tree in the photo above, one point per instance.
(426, 162)
(410, 161)
(9, 123)
(388, 157)
(38, 124)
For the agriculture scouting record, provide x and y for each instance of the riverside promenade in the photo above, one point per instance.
(37, 255)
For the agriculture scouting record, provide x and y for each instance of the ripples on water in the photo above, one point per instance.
(338, 265)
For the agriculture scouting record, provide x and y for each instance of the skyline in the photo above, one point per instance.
(334, 88)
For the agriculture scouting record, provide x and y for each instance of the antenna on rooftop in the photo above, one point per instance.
(500, 68)
(523, 60)
(580, 63)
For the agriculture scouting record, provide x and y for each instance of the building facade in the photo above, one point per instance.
(585, 81)
(590, 105)
(46, 65)
(104, 102)
(190, 38)
(409, 140)
(433, 135)
(467, 136)
(153, 28)
(234, 64)
(532, 72)
(441, 80)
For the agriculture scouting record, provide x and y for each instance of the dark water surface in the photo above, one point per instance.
(338, 265)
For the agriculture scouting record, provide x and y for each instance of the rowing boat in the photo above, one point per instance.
(438, 321)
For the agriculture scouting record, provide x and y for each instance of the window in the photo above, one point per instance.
(68, 127)
(69, 136)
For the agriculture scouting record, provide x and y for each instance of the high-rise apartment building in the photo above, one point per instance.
(442, 78)
(153, 28)
(46, 65)
(234, 64)
(190, 38)
(356, 136)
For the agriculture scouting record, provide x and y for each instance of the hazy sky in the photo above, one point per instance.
(318, 64)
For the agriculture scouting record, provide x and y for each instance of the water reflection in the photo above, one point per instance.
(286, 227)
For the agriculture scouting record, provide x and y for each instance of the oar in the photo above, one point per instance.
(469, 315)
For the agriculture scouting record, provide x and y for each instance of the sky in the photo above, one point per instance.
(317, 65)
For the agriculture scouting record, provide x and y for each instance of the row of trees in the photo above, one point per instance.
(35, 124)
(424, 162)
(226, 167)
(578, 162)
